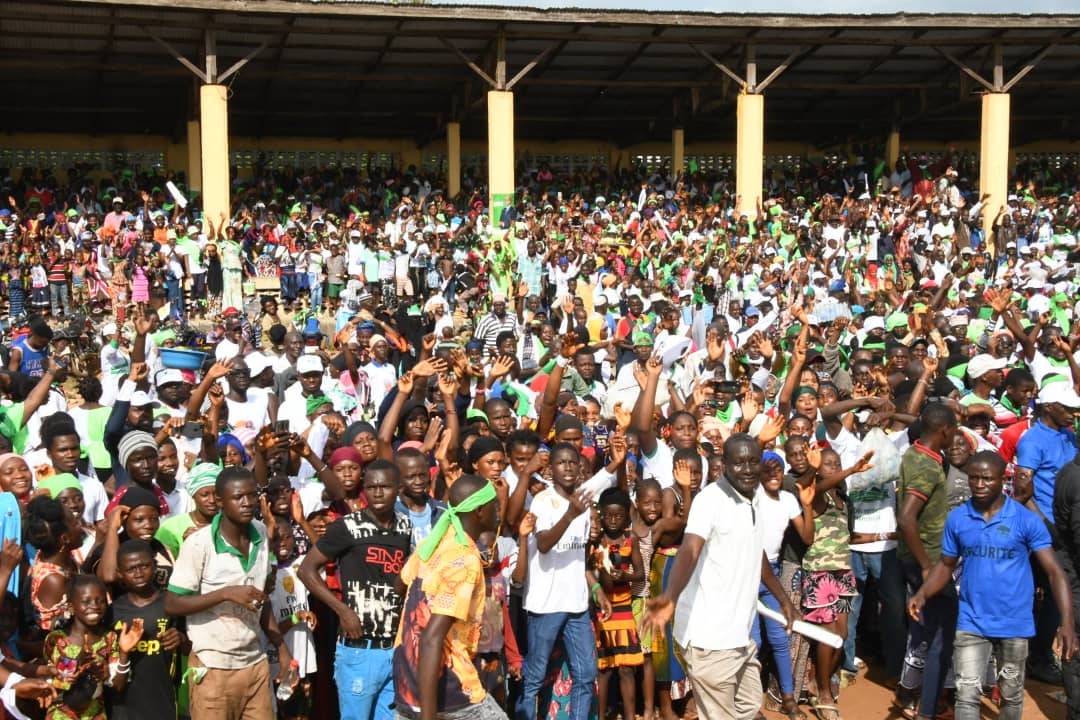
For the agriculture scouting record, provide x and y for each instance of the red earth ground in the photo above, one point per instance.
(868, 699)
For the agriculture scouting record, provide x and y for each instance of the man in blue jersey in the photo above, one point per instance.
(995, 536)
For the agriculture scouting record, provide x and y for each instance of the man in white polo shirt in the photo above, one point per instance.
(716, 575)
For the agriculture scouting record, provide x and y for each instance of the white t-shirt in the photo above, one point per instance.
(556, 581)
(252, 414)
(774, 517)
(381, 379)
(728, 572)
(290, 596)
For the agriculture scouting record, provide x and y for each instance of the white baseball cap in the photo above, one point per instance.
(164, 377)
(256, 362)
(984, 363)
(309, 364)
(1061, 393)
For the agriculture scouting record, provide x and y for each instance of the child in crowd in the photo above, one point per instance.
(87, 656)
(618, 563)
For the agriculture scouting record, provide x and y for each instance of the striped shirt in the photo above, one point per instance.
(491, 326)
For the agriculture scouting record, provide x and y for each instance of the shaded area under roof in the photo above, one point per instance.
(363, 69)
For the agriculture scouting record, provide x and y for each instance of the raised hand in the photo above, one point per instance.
(622, 416)
(131, 635)
(771, 430)
(570, 345)
(813, 456)
(405, 383)
(447, 385)
(682, 473)
(807, 493)
(863, 463)
(502, 366)
(579, 503)
(139, 372)
(218, 370)
(527, 525)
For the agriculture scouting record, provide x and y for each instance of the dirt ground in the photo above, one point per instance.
(871, 700)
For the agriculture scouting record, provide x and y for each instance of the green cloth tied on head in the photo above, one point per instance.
(163, 336)
(450, 519)
(57, 484)
(315, 402)
(896, 320)
(642, 338)
(201, 476)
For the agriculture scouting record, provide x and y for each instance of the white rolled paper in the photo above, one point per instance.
(814, 632)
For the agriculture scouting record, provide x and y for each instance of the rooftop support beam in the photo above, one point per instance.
(499, 82)
(998, 83)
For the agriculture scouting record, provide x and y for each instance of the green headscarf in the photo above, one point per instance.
(59, 483)
(478, 499)
(200, 476)
(315, 402)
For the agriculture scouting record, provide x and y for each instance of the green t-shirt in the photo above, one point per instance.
(13, 428)
(922, 476)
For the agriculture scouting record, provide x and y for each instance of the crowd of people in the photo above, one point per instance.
(588, 454)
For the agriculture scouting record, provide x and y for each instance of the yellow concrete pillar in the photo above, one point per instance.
(453, 158)
(500, 151)
(994, 157)
(678, 151)
(194, 156)
(214, 114)
(892, 148)
(749, 151)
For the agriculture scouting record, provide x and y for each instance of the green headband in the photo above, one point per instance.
(315, 402)
(59, 483)
(477, 500)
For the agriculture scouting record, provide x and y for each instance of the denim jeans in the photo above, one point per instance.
(779, 642)
(971, 652)
(315, 286)
(885, 569)
(934, 635)
(580, 642)
(365, 682)
(59, 295)
(288, 285)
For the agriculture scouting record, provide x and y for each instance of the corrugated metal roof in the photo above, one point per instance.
(614, 75)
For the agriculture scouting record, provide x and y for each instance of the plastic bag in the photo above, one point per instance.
(886, 462)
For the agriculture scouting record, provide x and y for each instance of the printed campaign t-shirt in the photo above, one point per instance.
(369, 559)
(996, 585)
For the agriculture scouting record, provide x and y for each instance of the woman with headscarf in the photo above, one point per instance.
(200, 485)
(232, 451)
(138, 517)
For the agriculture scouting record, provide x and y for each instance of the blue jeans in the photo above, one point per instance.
(970, 655)
(315, 285)
(885, 569)
(288, 285)
(580, 642)
(365, 682)
(934, 636)
(779, 642)
(59, 294)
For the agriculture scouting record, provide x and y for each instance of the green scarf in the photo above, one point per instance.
(315, 402)
(478, 499)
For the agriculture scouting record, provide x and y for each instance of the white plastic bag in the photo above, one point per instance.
(886, 462)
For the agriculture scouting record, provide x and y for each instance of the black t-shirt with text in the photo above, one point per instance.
(369, 559)
(150, 691)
